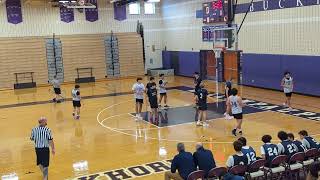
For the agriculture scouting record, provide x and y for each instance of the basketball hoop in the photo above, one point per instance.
(218, 47)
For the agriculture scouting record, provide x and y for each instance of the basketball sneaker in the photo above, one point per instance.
(205, 124)
(234, 132)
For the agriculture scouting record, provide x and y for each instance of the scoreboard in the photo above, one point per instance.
(215, 11)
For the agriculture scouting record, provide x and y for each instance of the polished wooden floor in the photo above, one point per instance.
(108, 138)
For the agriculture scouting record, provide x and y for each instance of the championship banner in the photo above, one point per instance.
(211, 34)
(120, 12)
(14, 13)
(66, 14)
(205, 33)
(92, 13)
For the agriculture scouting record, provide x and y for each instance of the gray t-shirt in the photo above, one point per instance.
(55, 83)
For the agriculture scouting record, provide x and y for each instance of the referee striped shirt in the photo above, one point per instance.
(41, 136)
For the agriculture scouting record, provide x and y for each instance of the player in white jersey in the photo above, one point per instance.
(236, 104)
(162, 90)
(57, 91)
(287, 85)
(76, 101)
(138, 90)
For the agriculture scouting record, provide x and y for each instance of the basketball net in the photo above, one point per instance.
(218, 47)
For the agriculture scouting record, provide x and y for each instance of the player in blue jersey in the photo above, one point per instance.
(201, 99)
(300, 146)
(286, 147)
(227, 93)
(151, 89)
(248, 151)
(268, 150)
(238, 158)
(307, 141)
(197, 81)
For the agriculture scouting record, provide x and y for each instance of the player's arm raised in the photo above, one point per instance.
(228, 102)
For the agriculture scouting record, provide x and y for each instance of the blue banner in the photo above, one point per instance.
(14, 13)
(92, 14)
(205, 33)
(66, 14)
(120, 12)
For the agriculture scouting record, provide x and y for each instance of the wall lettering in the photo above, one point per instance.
(265, 5)
(299, 3)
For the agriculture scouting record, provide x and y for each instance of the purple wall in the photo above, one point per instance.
(265, 70)
(166, 59)
(188, 62)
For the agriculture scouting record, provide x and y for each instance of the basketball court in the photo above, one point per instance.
(103, 46)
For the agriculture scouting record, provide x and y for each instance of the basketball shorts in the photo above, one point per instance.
(288, 94)
(43, 156)
(139, 101)
(76, 103)
(238, 116)
(202, 107)
(163, 94)
(57, 91)
(153, 103)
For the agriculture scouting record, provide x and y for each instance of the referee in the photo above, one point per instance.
(42, 137)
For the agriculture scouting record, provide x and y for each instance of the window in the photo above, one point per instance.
(149, 8)
(134, 8)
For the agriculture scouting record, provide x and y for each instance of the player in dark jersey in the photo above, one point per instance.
(197, 81)
(268, 150)
(227, 93)
(201, 99)
(286, 147)
(307, 141)
(238, 158)
(153, 99)
(300, 146)
(248, 151)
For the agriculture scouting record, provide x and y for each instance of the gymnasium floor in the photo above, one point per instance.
(111, 141)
